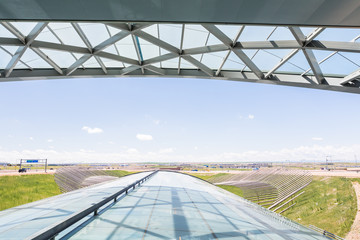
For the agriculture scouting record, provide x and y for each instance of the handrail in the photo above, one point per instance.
(51, 231)
(325, 233)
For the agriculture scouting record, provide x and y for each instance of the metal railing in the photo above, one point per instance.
(268, 187)
(51, 231)
(325, 233)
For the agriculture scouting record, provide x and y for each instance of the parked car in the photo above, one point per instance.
(22, 170)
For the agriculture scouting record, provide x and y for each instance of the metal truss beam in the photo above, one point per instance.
(309, 55)
(86, 41)
(351, 77)
(156, 41)
(133, 71)
(21, 50)
(271, 12)
(298, 38)
(149, 66)
(199, 65)
(238, 52)
(280, 44)
(77, 63)
(48, 60)
(14, 31)
(229, 52)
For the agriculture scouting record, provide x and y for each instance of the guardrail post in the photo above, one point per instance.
(96, 212)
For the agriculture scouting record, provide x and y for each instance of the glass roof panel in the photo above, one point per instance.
(148, 50)
(213, 60)
(233, 63)
(186, 64)
(126, 48)
(95, 32)
(67, 34)
(47, 36)
(152, 30)
(344, 66)
(193, 32)
(11, 49)
(266, 59)
(91, 63)
(24, 27)
(112, 30)
(338, 34)
(255, 33)
(4, 59)
(353, 57)
(296, 64)
(307, 30)
(281, 33)
(61, 58)
(170, 33)
(230, 30)
(172, 63)
(111, 49)
(212, 40)
(111, 63)
(5, 33)
(33, 60)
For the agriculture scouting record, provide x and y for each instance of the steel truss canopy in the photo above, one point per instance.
(343, 13)
(287, 50)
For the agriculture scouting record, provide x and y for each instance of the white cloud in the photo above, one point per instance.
(156, 122)
(50, 140)
(166, 150)
(317, 138)
(301, 153)
(132, 151)
(144, 137)
(251, 116)
(86, 151)
(92, 130)
(31, 138)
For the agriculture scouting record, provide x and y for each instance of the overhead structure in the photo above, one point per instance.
(330, 13)
(284, 46)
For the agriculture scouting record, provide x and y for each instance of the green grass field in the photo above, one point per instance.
(118, 173)
(210, 177)
(328, 203)
(18, 190)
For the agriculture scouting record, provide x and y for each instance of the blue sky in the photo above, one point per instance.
(163, 119)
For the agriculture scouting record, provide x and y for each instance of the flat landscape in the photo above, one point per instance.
(329, 201)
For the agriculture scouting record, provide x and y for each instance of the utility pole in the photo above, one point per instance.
(327, 164)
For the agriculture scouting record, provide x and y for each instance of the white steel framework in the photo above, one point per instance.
(53, 50)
